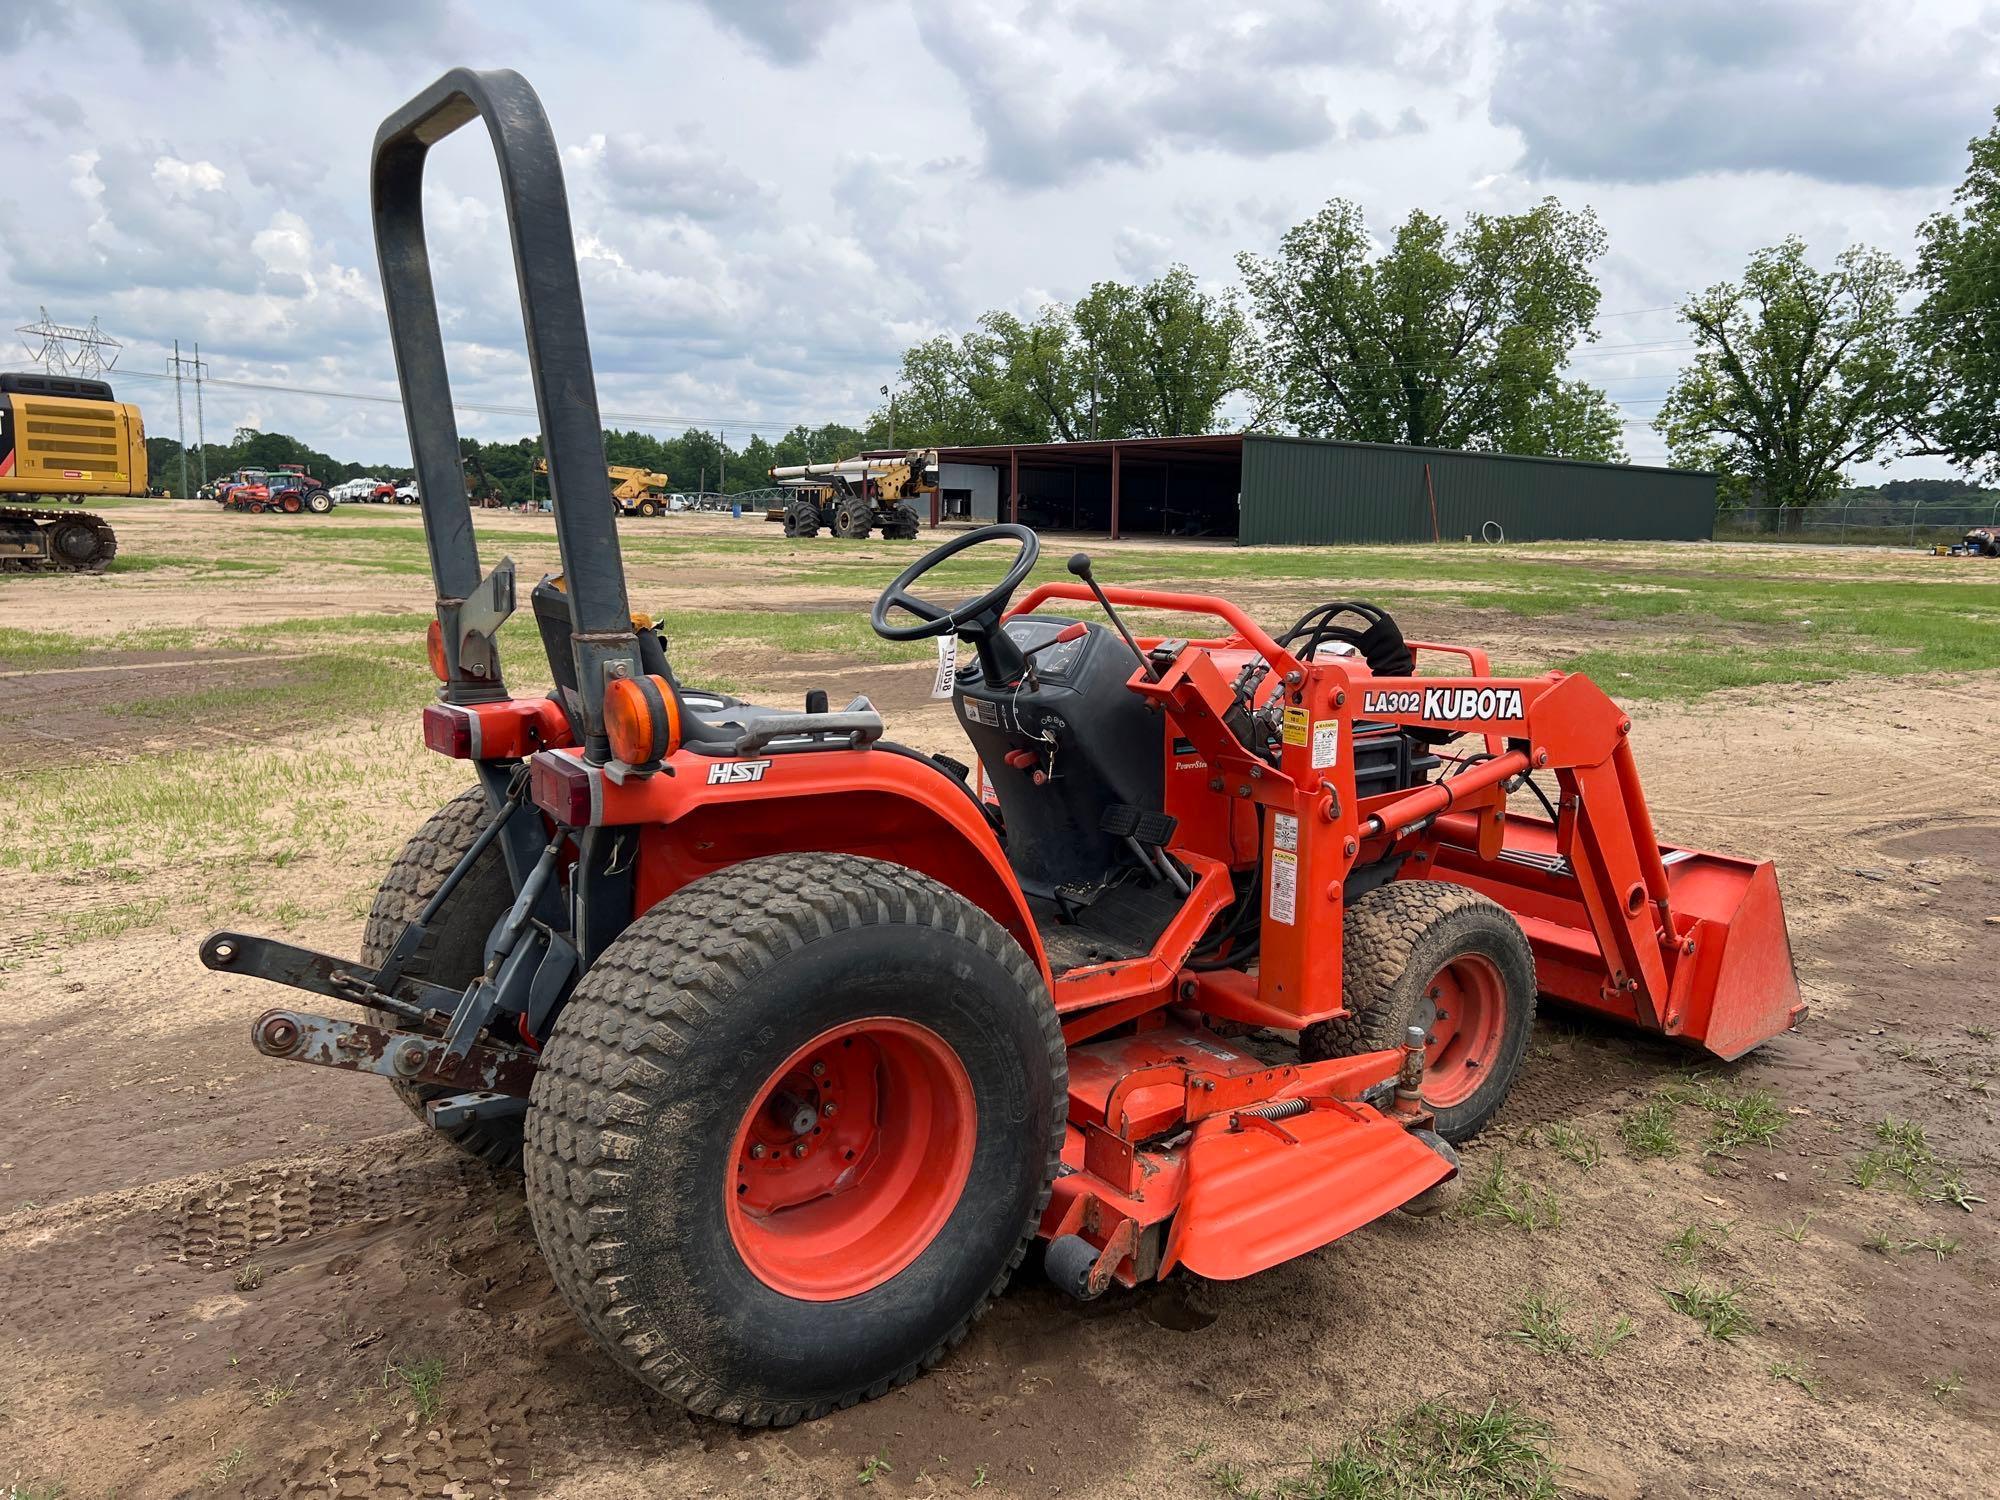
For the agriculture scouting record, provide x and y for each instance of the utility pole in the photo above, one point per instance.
(200, 431)
(892, 414)
(721, 464)
(180, 418)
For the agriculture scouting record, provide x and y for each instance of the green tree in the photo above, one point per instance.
(1126, 361)
(1444, 340)
(1571, 419)
(1160, 359)
(1954, 332)
(1797, 372)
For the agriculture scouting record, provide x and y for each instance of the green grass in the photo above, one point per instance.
(1575, 1147)
(1901, 1158)
(1541, 1325)
(1719, 1310)
(1648, 1132)
(1799, 1373)
(423, 1380)
(1497, 1452)
(1501, 1196)
(1695, 1243)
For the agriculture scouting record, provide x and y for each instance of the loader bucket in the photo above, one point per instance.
(1736, 989)
(1743, 990)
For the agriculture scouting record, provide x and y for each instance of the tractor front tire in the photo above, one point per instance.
(904, 527)
(802, 521)
(1441, 956)
(793, 1132)
(453, 951)
(853, 518)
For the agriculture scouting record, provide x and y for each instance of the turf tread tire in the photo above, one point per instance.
(1389, 934)
(453, 946)
(655, 998)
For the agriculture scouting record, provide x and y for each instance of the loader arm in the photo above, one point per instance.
(1679, 941)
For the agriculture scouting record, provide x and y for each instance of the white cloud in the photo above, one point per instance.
(772, 200)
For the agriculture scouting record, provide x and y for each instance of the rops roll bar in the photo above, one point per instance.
(471, 607)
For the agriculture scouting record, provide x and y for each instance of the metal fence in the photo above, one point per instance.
(1858, 520)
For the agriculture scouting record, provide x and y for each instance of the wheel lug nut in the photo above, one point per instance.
(819, 1070)
(827, 1109)
(799, 1150)
(756, 1150)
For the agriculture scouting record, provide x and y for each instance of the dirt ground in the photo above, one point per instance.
(225, 1276)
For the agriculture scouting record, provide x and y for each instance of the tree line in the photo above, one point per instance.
(695, 460)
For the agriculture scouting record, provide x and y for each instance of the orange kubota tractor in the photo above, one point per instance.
(806, 1038)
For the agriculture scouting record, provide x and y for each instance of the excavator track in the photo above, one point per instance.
(72, 541)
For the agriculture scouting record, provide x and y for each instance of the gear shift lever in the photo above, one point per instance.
(1079, 564)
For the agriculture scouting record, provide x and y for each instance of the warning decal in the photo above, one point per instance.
(1284, 886)
(1326, 744)
(1284, 831)
(1298, 724)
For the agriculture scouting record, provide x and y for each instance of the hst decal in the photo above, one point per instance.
(736, 772)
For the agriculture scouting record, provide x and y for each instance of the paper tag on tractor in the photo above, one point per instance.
(947, 666)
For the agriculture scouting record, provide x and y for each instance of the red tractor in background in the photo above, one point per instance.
(805, 1038)
(288, 489)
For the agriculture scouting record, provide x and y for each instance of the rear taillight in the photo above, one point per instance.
(451, 731)
(564, 788)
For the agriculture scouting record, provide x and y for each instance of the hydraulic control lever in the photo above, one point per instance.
(1079, 564)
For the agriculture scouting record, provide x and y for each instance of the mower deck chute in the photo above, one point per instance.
(804, 1037)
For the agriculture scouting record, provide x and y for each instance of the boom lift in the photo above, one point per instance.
(805, 1039)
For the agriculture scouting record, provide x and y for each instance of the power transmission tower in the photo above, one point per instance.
(64, 349)
(200, 430)
(180, 415)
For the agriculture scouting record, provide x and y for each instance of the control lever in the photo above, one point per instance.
(1079, 564)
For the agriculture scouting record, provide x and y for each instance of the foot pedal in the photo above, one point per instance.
(1122, 821)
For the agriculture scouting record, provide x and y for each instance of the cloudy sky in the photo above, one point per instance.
(774, 197)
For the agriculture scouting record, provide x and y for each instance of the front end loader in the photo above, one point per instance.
(804, 1038)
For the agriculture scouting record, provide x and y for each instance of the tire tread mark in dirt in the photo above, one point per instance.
(618, 1042)
(272, 1205)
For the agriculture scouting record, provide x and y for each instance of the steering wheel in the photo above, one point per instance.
(933, 620)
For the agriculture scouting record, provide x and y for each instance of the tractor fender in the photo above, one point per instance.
(882, 802)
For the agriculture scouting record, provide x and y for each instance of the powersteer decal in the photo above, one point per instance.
(735, 772)
(1447, 703)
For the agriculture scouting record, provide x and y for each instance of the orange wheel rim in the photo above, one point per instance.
(1469, 1017)
(850, 1159)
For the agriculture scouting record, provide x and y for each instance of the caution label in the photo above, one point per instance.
(1326, 744)
(1298, 726)
(1284, 886)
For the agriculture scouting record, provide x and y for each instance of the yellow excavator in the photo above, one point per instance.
(636, 492)
(63, 438)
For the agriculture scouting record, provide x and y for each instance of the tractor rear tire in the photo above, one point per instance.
(904, 527)
(853, 518)
(684, 1153)
(802, 520)
(453, 950)
(319, 502)
(648, 509)
(1441, 956)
